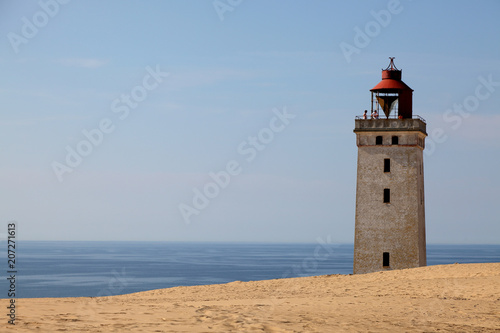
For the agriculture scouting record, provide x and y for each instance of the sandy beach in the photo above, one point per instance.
(448, 298)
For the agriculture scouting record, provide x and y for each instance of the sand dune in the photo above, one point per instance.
(449, 298)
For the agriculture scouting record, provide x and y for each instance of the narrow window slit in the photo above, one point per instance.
(387, 165)
(385, 259)
(387, 195)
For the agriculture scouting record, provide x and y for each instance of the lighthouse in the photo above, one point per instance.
(390, 205)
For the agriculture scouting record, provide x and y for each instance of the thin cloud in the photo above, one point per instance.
(203, 77)
(480, 128)
(83, 62)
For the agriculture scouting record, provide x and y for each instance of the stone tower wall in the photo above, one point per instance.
(397, 227)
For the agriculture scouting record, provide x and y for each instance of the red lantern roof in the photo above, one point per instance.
(391, 80)
(389, 84)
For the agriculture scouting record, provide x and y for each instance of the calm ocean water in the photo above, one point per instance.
(70, 269)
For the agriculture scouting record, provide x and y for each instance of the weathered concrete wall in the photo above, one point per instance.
(397, 227)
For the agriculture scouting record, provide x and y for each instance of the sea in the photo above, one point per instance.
(76, 269)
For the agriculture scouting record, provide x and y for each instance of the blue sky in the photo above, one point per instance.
(223, 72)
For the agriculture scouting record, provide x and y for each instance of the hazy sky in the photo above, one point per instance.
(232, 120)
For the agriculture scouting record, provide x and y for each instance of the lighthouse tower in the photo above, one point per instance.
(390, 207)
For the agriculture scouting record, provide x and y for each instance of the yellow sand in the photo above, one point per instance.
(448, 298)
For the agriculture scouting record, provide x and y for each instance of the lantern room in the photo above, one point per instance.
(392, 94)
